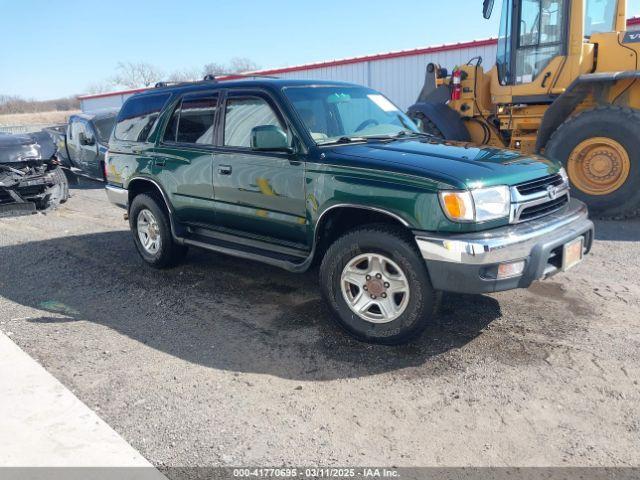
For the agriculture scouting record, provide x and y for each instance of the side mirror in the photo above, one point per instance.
(487, 8)
(269, 138)
(86, 140)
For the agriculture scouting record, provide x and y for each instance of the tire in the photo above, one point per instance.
(382, 241)
(167, 253)
(426, 125)
(619, 126)
(58, 193)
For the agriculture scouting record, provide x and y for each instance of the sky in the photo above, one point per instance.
(53, 49)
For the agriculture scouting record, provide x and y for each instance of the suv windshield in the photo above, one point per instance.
(341, 113)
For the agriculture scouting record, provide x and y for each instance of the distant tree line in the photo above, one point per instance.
(141, 74)
(14, 104)
(128, 75)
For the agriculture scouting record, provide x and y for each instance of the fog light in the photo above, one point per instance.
(508, 270)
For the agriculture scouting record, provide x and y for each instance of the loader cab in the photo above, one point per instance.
(534, 40)
(532, 34)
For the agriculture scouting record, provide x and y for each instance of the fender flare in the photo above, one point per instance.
(565, 104)
(176, 229)
(446, 119)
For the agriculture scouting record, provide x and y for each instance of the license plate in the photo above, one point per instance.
(572, 253)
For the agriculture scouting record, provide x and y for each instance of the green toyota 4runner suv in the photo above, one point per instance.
(293, 173)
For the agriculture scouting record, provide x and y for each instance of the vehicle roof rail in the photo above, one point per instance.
(213, 78)
(222, 76)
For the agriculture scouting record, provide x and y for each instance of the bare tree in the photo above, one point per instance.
(236, 65)
(214, 69)
(15, 104)
(136, 74)
(242, 65)
(99, 87)
(185, 75)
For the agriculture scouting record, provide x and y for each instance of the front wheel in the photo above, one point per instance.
(377, 285)
(58, 192)
(600, 149)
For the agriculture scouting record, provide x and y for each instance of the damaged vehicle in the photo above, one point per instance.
(30, 177)
(82, 142)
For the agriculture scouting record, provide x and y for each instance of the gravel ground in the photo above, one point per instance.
(227, 362)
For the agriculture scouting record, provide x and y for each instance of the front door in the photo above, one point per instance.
(183, 160)
(88, 149)
(257, 193)
(76, 126)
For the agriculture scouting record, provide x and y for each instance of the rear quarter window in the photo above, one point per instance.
(137, 117)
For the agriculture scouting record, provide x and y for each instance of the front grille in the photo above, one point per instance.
(539, 185)
(539, 197)
(542, 209)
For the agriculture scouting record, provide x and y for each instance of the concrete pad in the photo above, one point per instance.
(45, 425)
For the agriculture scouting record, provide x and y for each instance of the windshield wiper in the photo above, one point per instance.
(408, 133)
(344, 139)
(375, 138)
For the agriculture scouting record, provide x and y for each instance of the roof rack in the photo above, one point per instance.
(213, 78)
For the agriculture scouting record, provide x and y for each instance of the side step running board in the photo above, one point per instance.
(287, 262)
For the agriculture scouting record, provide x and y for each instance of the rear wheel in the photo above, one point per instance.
(377, 285)
(600, 149)
(152, 236)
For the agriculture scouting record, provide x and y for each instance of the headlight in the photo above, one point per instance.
(563, 174)
(478, 205)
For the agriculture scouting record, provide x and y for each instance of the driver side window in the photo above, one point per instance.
(242, 115)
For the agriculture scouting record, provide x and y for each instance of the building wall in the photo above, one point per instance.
(105, 102)
(399, 78)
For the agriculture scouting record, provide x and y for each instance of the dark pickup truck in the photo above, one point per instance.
(82, 143)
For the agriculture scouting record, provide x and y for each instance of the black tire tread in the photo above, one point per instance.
(429, 126)
(628, 115)
(173, 253)
(349, 238)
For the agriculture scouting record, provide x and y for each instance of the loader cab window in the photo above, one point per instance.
(532, 33)
(503, 60)
(599, 16)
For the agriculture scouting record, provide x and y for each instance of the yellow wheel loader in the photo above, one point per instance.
(566, 84)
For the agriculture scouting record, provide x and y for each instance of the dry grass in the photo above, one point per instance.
(35, 118)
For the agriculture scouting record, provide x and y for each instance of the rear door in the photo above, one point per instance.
(257, 193)
(184, 157)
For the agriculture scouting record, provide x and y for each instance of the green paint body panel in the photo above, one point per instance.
(280, 197)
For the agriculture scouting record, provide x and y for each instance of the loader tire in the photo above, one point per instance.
(600, 149)
(426, 125)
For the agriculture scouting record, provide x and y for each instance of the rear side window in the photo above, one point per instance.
(138, 115)
(193, 120)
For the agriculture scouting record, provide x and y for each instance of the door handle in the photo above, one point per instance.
(159, 162)
(224, 169)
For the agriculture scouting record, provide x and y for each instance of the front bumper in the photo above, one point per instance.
(117, 195)
(465, 263)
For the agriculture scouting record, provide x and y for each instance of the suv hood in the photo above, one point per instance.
(459, 165)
